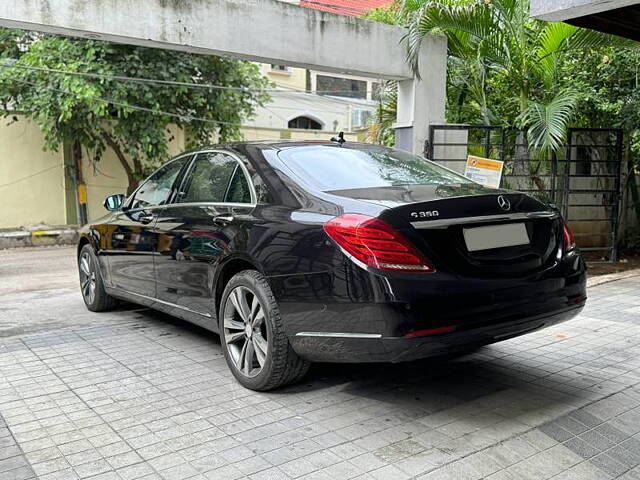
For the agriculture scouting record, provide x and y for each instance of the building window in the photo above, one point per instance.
(305, 122)
(360, 118)
(341, 87)
(280, 68)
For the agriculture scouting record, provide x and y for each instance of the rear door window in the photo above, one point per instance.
(215, 177)
(238, 191)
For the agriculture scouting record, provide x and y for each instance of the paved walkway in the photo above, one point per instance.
(134, 394)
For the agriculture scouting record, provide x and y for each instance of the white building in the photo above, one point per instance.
(312, 104)
(334, 103)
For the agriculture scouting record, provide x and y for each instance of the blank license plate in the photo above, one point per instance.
(495, 236)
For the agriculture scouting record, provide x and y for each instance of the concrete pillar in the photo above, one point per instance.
(421, 102)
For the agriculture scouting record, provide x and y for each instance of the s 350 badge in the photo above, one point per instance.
(427, 214)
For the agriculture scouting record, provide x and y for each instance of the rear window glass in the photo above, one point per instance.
(329, 168)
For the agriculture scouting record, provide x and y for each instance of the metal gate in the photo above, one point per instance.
(592, 181)
(583, 180)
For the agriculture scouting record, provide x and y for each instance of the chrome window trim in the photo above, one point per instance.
(198, 204)
(444, 223)
(195, 154)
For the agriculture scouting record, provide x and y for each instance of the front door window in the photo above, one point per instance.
(157, 189)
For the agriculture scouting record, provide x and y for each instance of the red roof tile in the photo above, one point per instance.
(351, 8)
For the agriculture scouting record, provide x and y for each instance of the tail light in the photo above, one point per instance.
(376, 244)
(569, 241)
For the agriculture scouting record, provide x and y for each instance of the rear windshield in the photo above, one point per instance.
(329, 168)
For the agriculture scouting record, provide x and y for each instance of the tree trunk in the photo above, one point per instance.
(521, 162)
(131, 178)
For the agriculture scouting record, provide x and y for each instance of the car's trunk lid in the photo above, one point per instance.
(435, 217)
(446, 227)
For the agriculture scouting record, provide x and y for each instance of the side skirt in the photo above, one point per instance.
(208, 322)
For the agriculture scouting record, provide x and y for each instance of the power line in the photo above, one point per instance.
(149, 110)
(13, 182)
(344, 100)
(170, 82)
(132, 107)
(154, 81)
(304, 108)
(124, 78)
(187, 117)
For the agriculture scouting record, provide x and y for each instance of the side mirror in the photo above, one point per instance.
(114, 202)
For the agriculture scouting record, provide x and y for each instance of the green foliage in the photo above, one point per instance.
(607, 82)
(505, 64)
(389, 14)
(381, 131)
(547, 123)
(97, 112)
(504, 68)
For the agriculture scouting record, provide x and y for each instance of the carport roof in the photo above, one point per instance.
(617, 17)
(624, 22)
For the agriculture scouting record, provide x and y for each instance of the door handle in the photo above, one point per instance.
(222, 219)
(147, 218)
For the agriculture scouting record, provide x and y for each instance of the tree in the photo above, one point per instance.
(505, 68)
(497, 44)
(381, 130)
(607, 84)
(389, 14)
(75, 91)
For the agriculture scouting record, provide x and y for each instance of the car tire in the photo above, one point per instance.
(91, 283)
(252, 335)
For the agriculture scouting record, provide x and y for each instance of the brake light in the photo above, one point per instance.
(569, 241)
(376, 244)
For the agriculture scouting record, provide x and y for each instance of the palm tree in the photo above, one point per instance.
(498, 38)
(381, 130)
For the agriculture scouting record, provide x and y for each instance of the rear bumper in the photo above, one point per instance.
(349, 314)
(349, 349)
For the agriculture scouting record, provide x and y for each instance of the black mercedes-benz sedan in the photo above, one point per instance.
(296, 252)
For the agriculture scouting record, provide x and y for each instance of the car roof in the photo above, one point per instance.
(248, 148)
(281, 144)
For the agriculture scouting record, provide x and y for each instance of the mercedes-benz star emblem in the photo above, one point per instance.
(504, 203)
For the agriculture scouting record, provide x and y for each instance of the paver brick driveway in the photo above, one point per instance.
(135, 394)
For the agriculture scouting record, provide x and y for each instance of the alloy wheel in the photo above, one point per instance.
(245, 331)
(87, 278)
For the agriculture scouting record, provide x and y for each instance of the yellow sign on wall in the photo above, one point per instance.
(485, 171)
(82, 193)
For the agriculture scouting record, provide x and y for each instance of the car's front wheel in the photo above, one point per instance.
(252, 334)
(91, 284)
